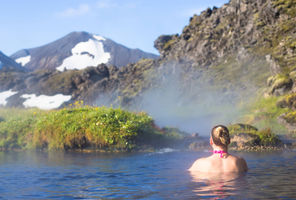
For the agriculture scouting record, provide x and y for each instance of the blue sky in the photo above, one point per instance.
(133, 23)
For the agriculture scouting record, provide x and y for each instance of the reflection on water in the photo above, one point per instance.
(270, 176)
(216, 185)
(37, 175)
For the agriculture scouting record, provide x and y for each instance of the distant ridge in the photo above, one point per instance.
(79, 50)
(8, 63)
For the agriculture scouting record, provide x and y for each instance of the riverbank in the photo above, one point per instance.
(82, 128)
(101, 129)
(245, 137)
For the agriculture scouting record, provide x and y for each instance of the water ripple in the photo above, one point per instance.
(140, 176)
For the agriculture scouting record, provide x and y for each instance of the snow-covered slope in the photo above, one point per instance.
(78, 50)
(7, 62)
(23, 60)
(5, 95)
(85, 54)
(43, 101)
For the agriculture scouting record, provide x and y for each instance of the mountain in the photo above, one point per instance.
(241, 55)
(78, 50)
(6, 63)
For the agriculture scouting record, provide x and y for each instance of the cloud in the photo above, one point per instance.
(73, 12)
(106, 4)
(103, 4)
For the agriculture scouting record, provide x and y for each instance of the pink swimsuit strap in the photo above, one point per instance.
(219, 152)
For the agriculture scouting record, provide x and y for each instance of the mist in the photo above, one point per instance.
(192, 106)
(192, 99)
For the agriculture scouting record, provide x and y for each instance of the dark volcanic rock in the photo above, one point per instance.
(243, 140)
(163, 42)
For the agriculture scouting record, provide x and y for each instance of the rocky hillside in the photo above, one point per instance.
(240, 54)
(78, 50)
(7, 63)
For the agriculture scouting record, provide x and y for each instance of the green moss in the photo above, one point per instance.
(281, 80)
(287, 101)
(258, 20)
(285, 27)
(290, 117)
(169, 44)
(277, 39)
(263, 113)
(293, 44)
(286, 6)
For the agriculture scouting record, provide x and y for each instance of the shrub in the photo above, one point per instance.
(266, 136)
(80, 127)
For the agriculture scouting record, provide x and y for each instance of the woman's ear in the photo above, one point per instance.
(211, 141)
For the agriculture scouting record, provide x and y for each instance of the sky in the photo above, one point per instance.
(133, 23)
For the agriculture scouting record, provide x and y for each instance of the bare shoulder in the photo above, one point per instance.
(242, 164)
(198, 165)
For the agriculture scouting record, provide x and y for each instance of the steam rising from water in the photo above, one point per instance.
(191, 106)
(195, 101)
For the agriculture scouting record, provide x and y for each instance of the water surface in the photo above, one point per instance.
(160, 175)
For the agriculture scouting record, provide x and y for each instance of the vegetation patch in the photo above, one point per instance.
(288, 101)
(286, 6)
(168, 44)
(280, 81)
(263, 113)
(81, 127)
(290, 117)
(247, 135)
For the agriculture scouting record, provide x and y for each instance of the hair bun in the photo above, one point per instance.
(220, 135)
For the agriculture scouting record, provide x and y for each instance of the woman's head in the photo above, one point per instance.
(220, 136)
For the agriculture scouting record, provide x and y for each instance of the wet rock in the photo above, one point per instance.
(288, 101)
(243, 140)
(280, 85)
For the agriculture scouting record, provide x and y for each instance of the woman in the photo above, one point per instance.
(221, 160)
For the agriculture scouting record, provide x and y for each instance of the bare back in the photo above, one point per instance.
(216, 164)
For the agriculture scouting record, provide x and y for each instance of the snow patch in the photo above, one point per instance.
(5, 95)
(86, 54)
(99, 38)
(23, 60)
(45, 102)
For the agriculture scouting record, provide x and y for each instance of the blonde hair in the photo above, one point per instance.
(220, 135)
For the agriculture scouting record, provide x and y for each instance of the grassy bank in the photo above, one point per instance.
(263, 113)
(81, 127)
